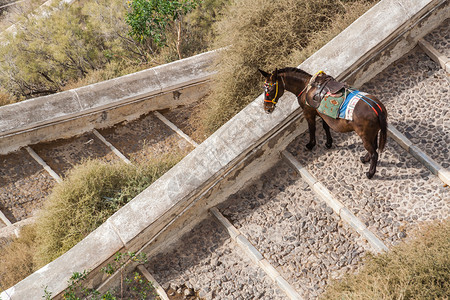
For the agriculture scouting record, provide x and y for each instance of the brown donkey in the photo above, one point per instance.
(369, 114)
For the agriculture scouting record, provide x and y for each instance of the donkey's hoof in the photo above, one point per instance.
(310, 146)
(328, 145)
(369, 175)
(364, 159)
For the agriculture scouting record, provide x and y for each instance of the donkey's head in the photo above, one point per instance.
(273, 89)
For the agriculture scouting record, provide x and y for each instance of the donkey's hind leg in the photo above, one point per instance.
(366, 158)
(371, 147)
(329, 142)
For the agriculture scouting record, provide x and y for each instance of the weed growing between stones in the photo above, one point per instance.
(135, 287)
(136, 284)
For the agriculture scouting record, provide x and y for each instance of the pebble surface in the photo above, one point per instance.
(189, 119)
(416, 91)
(440, 38)
(297, 233)
(24, 185)
(209, 262)
(62, 155)
(402, 192)
(144, 139)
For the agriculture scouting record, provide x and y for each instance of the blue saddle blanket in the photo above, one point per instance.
(348, 106)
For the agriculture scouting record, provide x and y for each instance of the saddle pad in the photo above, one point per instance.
(347, 108)
(330, 104)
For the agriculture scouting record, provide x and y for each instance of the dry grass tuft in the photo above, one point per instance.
(92, 192)
(6, 98)
(416, 269)
(88, 42)
(16, 258)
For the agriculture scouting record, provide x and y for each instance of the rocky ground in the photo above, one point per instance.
(297, 233)
(24, 185)
(208, 262)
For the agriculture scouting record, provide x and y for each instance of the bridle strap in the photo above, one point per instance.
(276, 91)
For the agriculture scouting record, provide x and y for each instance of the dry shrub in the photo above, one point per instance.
(92, 192)
(416, 269)
(110, 71)
(352, 11)
(87, 42)
(6, 98)
(16, 258)
(267, 34)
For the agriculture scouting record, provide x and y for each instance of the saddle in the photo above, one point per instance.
(324, 84)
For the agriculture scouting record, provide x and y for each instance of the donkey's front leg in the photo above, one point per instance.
(327, 132)
(311, 119)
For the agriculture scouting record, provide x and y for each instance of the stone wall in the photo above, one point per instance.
(104, 104)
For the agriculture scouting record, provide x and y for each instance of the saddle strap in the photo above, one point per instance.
(328, 85)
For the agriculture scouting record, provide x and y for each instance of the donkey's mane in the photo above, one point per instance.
(293, 70)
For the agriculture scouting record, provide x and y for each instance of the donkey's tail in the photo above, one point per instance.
(382, 118)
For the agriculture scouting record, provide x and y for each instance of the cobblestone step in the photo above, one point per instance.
(158, 288)
(28, 175)
(338, 207)
(436, 45)
(145, 139)
(62, 155)
(298, 234)
(256, 256)
(442, 173)
(5, 220)
(24, 185)
(206, 260)
(401, 194)
(415, 91)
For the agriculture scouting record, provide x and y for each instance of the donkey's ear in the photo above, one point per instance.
(265, 74)
(275, 73)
